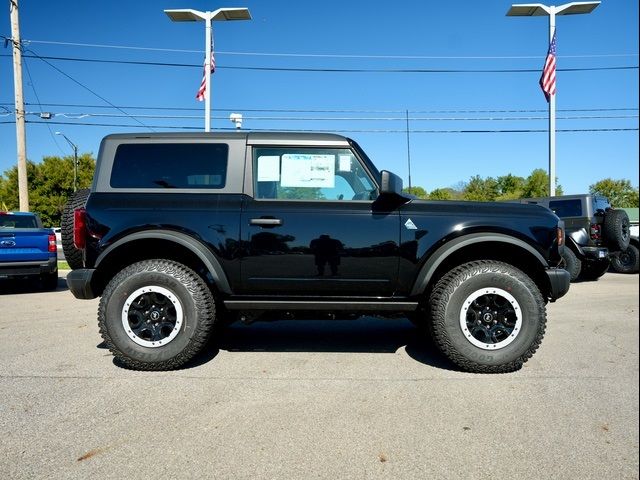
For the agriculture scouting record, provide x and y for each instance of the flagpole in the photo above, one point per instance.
(207, 73)
(552, 115)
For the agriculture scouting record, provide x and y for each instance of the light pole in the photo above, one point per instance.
(536, 10)
(221, 14)
(75, 160)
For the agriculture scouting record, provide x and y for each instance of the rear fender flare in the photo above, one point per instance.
(209, 260)
(431, 265)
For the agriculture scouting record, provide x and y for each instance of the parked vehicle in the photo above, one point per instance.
(181, 232)
(626, 261)
(595, 231)
(27, 250)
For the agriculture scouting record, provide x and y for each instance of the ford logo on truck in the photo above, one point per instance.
(7, 243)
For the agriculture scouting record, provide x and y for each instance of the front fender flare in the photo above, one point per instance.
(198, 248)
(444, 251)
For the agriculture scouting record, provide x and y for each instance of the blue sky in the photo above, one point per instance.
(369, 106)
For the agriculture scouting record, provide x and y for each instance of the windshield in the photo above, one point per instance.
(368, 163)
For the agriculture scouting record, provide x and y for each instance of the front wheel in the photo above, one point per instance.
(487, 317)
(156, 315)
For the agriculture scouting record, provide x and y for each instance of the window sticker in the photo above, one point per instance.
(315, 171)
(344, 164)
(269, 168)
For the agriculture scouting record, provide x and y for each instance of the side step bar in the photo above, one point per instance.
(344, 306)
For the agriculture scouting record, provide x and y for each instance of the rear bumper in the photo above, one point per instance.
(28, 269)
(79, 282)
(559, 279)
(595, 253)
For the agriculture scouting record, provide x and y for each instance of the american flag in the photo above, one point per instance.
(548, 78)
(203, 84)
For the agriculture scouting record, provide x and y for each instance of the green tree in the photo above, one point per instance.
(417, 191)
(442, 194)
(537, 185)
(480, 189)
(50, 185)
(510, 187)
(620, 193)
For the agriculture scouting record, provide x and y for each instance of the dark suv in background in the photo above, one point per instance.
(595, 232)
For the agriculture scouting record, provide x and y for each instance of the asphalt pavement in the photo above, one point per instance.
(319, 399)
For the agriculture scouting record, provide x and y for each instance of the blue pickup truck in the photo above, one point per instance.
(27, 250)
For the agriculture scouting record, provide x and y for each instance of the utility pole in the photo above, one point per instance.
(21, 141)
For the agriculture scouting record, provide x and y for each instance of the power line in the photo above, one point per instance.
(35, 55)
(325, 70)
(285, 110)
(403, 131)
(33, 87)
(325, 55)
(79, 115)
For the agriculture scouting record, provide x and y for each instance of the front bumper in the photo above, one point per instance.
(559, 280)
(79, 282)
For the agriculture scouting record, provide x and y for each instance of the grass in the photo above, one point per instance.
(62, 265)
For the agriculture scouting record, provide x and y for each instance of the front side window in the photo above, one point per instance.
(310, 174)
(170, 165)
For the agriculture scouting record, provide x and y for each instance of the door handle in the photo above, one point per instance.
(266, 222)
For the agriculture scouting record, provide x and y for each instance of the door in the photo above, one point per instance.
(309, 228)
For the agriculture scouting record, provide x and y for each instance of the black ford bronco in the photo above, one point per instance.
(183, 232)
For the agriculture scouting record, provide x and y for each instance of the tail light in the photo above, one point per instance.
(52, 243)
(80, 228)
(560, 236)
(595, 231)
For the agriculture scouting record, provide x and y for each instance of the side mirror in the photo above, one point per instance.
(390, 183)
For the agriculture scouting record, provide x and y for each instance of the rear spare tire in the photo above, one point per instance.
(72, 255)
(616, 230)
(487, 316)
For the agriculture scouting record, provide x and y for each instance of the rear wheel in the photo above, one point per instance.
(571, 263)
(72, 255)
(487, 316)
(156, 315)
(626, 261)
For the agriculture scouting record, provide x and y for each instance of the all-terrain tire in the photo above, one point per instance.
(506, 291)
(616, 230)
(156, 315)
(72, 255)
(571, 263)
(626, 261)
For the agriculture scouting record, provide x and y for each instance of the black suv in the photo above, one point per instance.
(595, 231)
(182, 232)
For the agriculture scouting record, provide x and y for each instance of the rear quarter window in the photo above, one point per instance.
(566, 208)
(170, 165)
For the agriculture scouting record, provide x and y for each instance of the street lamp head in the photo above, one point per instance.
(538, 9)
(221, 14)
